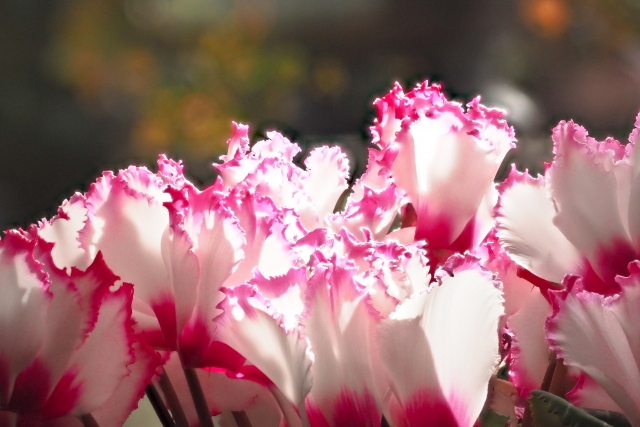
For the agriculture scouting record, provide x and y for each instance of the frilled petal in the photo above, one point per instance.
(255, 217)
(589, 183)
(341, 326)
(529, 348)
(441, 346)
(115, 411)
(395, 106)
(236, 164)
(633, 153)
(127, 226)
(600, 336)
(527, 232)
(64, 231)
(205, 244)
(446, 161)
(374, 202)
(390, 111)
(96, 368)
(325, 179)
(403, 269)
(248, 325)
(588, 394)
(24, 301)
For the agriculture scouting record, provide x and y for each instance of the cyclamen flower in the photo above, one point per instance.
(162, 241)
(445, 159)
(67, 347)
(583, 217)
(285, 310)
(573, 228)
(600, 336)
(435, 381)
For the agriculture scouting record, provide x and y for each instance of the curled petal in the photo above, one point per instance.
(64, 231)
(127, 227)
(529, 348)
(97, 368)
(589, 183)
(24, 300)
(326, 178)
(247, 326)
(341, 327)
(527, 232)
(600, 336)
(201, 249)
(446, 161)
(440, 348)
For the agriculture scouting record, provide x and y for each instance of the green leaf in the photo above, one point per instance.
(489, 418)
(550, 410)
(615, 419)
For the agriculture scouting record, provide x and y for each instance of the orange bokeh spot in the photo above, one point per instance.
(550, 18)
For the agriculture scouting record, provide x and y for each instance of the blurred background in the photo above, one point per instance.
(92, 85)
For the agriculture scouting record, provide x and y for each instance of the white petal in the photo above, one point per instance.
(441, 347)
(527, 232)
(256, 335)
(601, 336)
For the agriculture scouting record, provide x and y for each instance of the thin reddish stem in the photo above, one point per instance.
(172, 400)
(204, 415)
(159, 407)
(241, 418)
(88, 421)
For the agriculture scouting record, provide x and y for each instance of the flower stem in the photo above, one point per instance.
(172, 400)
(548, 375)
(158, 405)
(557, 385)
(241, 418)
(204, 415)
(88, 421)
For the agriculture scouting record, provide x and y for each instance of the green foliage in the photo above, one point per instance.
(550, 410)
(489, 418)
(615, 419)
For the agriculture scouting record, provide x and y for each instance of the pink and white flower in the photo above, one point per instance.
(436, 379)
(582, 217)
(67, 347)
(445, 159)
(599, 335)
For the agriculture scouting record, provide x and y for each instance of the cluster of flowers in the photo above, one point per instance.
(258, 302)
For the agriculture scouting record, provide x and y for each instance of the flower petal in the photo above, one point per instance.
(446, 161)
(64, 230)
(527, 232)
(529, 348)
(341, 327)
(24, 301)
(600, 336)
(96, 368)
(440, 348)
(247, 327)
(115, 411)
(127, 226)
(589, 184)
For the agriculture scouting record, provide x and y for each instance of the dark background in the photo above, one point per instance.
(89, 85)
